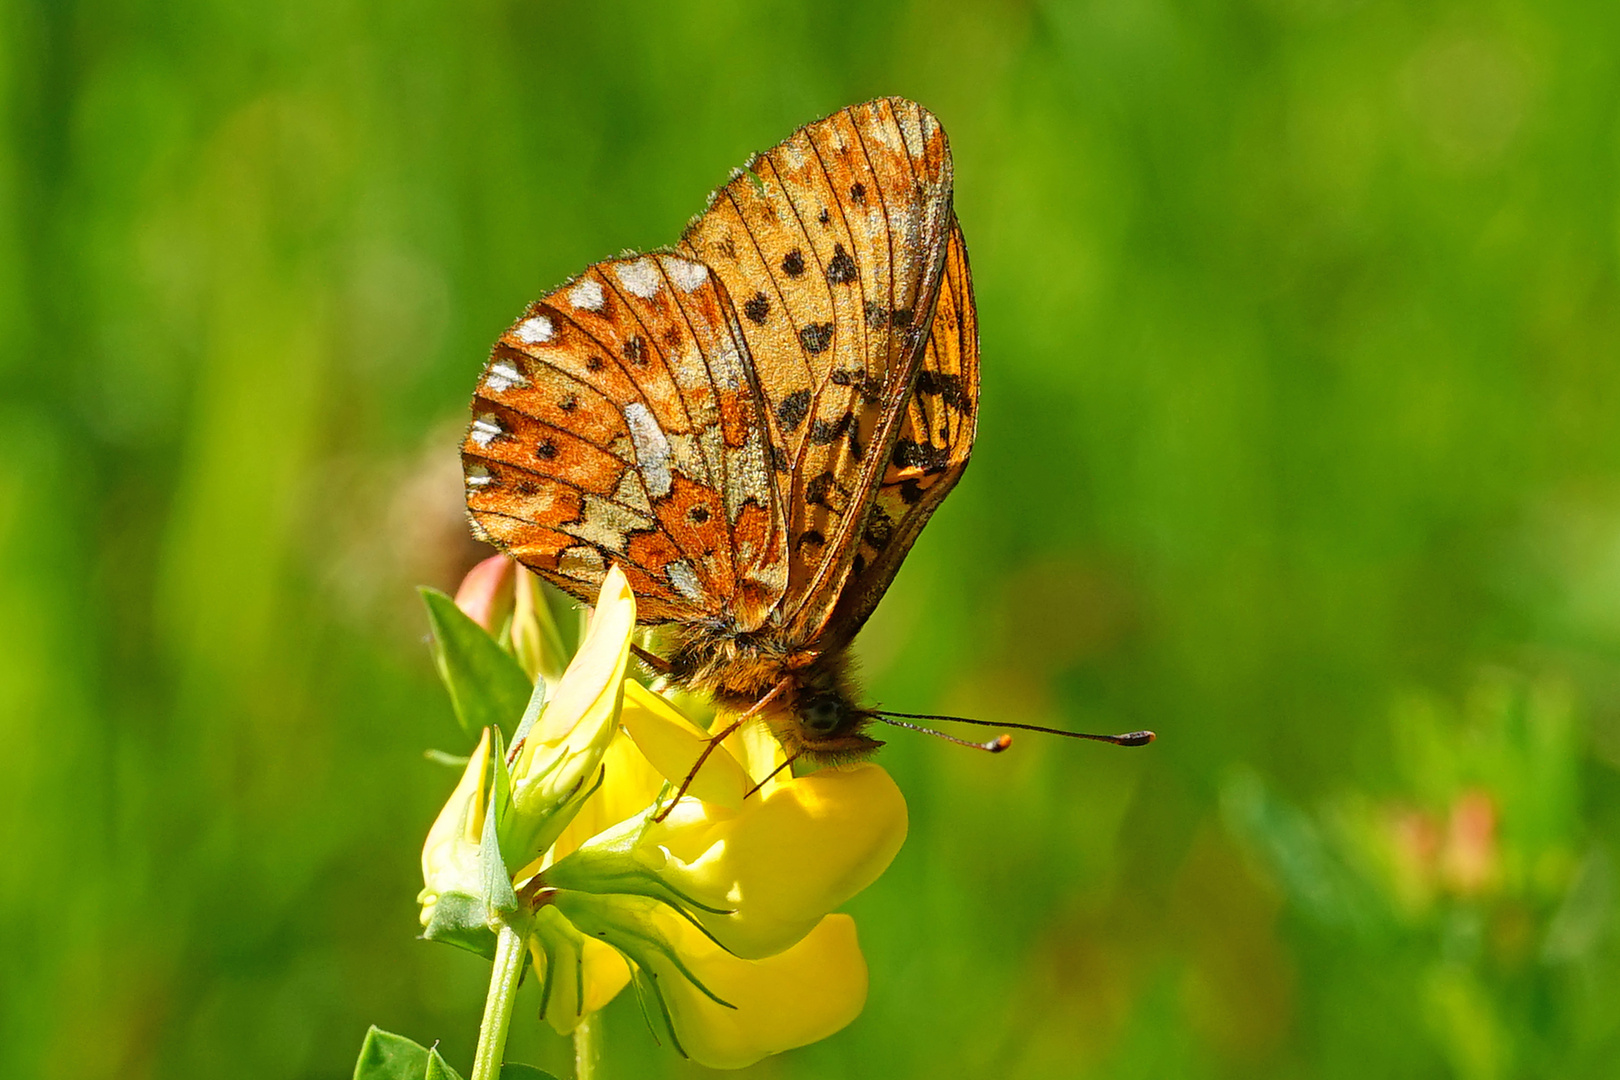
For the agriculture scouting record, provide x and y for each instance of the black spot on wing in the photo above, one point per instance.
(817, 490)
(827, 432)
(870, 386)
(816, 337)
(909, 454)
(879, 529)
(791, 410)
(944, 385)
(841, 270)
(758, 309)
(793, 263)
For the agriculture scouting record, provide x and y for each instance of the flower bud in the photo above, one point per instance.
(483, 594)
(451, 870)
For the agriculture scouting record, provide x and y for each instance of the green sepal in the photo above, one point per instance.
(501, 903)
(626, 923)
(562, 988)
(487, 685)
(614, 863)
(659, 1022)
(463, 921)
(386, 1056)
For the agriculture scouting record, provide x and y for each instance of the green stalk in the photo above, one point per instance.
(503, 987)
(587, 1046)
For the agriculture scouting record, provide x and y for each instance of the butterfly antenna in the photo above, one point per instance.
(994, 746)
(1133, 738)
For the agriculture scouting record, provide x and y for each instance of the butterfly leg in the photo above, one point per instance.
(657, 663)
(716, 740)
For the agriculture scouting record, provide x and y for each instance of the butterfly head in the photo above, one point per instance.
(828, 728)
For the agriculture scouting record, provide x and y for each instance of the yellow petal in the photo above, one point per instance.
(673, 744)
(787, 858)
(791, 999)
(629, 785)
(756, 747)
(591, 684)
(606, 973)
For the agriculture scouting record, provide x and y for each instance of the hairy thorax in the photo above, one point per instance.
(809, 697)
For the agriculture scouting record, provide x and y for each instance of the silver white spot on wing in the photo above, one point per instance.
(640, 277)
(652, 449)
(685, 579)
(726, 363)
(581, 560)
(502, 376)
(486, 429)
(479, 477)
(686, 274)
(586, 295)
(878, 128)
(910, 132)
(534, 331)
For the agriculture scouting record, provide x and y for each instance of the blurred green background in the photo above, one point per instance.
(1299, 443)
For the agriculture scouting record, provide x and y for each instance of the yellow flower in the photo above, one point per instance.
(720, 912)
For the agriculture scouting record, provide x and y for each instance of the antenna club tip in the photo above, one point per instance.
(1138, 738)
(1001, 743)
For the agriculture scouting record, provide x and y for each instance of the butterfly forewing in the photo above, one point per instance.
(757, 428)
(932, 449)
(618, 422)
(832, 243)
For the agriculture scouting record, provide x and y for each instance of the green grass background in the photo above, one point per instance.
(1300, 443)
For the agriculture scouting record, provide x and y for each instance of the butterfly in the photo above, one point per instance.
(753, 425)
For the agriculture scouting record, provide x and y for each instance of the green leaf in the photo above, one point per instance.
(487, 686)
(439, 1069)
(386, 1056)
(513, 1071)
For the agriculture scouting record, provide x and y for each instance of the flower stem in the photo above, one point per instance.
(587, 1046)
(503, 986)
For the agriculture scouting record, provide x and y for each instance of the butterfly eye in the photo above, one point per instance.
(822, 715)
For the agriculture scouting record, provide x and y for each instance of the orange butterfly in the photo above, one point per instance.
(754, 426)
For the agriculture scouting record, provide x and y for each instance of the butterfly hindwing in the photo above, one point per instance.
(832, 243)
(618, 421)
(932, 449)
